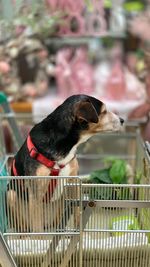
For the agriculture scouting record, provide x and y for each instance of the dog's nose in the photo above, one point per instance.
(121, 121)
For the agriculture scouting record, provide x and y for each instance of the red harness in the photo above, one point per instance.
(43, 160)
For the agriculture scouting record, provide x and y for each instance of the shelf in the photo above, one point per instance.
(21, 107)
(75, 40)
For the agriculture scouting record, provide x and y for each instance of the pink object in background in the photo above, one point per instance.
(82, 72)
(63, 72)
(139, 25)
(72, 6)
(67, 29)
(65, 5)
(74, 24)
(4, 67)
(116, 87)
(96, 23)
(135, 89)
(79, 29)
(78, 21)
(74, 74)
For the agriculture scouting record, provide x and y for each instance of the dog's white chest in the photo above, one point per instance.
(61, 181)
(65, 171)
(44, 171)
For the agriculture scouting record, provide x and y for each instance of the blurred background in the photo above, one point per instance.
(52, 49)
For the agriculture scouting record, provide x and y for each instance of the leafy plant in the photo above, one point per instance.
(114, 173)
(138, 176)
(117, 171)
(101, 176)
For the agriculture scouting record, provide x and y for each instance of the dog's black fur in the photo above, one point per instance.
(58, 133)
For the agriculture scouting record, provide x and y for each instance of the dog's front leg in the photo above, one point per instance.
(17, 211)
(37, 192)
(36, 214)
(73, 190)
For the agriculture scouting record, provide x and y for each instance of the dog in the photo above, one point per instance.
(50, 150)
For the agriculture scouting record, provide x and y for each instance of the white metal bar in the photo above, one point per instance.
(6, 258)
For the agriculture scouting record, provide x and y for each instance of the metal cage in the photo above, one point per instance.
(76, 223)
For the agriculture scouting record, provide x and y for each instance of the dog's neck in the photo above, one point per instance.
(72, 152)
(69, 156)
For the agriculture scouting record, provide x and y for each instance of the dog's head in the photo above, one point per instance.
(93, 113)
(90, 116)
(74, 122)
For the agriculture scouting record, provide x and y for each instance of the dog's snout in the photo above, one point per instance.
(121, 121)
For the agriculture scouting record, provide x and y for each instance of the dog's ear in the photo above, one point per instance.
(85, 111)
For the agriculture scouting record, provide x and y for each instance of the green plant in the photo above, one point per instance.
(138, 176)
(115, 172)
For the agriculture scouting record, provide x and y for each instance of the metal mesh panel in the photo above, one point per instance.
(79, 225)
(43, 229)
(116, 230)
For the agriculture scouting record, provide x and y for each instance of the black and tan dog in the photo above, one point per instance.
(50, 148)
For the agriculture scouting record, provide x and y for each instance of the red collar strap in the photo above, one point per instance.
(39, 157)
(42, 159)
